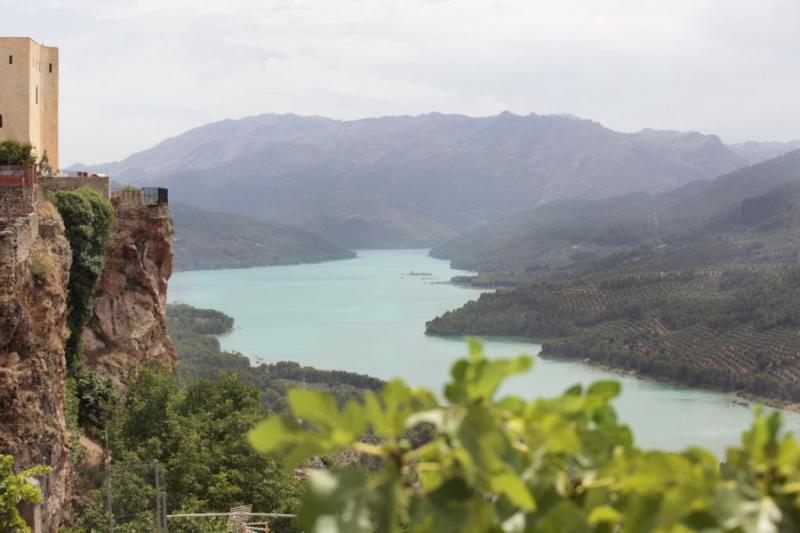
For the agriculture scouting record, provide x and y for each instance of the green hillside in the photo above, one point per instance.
(208, 240)
(730, 329)
(699, 285)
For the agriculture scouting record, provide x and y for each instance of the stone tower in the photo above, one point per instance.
(29, 95)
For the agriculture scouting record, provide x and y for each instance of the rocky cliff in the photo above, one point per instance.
(128, 326)
(35, 259)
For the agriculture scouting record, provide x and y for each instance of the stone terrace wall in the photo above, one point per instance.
(17, 239)
(17, 192)
(101, 184)
(8, 264)
(128, 199)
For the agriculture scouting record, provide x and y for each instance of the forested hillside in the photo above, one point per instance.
(400, 181)
(208, 240)
(697, 285)
(727, 329)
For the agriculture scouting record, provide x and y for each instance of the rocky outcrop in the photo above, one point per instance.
(128, 326)
(35, 260)
(126, 330)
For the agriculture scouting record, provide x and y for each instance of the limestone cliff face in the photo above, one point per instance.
(128, 326)
(126, 329)
(34, 270)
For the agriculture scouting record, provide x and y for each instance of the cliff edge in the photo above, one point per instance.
(35, 260)
(128, 326)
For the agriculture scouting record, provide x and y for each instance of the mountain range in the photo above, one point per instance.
(422, 180)
(756, 200)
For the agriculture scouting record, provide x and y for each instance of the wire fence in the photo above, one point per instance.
(136, 501)
(135, 497)
(236, 522)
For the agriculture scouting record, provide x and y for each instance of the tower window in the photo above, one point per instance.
(1, 121)
(10, 60)
(51, 68)
(37, 94)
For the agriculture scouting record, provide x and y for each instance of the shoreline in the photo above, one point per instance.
(742, 396)
(767, 402)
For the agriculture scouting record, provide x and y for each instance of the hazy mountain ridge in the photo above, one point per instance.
(208, 240)
(566, 232)
(756, 152)
(398, 181)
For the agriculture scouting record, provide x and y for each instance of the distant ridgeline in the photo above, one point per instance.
(419, 181)
(698, 285)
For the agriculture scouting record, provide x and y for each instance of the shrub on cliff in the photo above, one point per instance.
(516, 465)
(88, 221)
(16, 153)
(15, 489)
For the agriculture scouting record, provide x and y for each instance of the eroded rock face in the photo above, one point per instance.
(128, 326)
(127, 329)
(35, 260)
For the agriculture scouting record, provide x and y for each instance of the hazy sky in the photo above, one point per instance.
(136, 72)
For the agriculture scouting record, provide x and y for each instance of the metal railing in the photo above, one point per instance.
(155, 195)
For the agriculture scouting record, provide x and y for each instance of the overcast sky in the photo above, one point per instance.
(133, 73)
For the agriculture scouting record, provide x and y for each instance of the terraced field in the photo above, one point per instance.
(733, 329)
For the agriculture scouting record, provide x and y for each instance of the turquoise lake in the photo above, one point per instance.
(368, 315)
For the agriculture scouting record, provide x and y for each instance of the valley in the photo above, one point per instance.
(366, 316)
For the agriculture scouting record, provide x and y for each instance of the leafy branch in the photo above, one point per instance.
(514, 465)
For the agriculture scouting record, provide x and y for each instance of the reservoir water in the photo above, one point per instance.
(368, 315)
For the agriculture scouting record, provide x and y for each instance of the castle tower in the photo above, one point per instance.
(29, 95)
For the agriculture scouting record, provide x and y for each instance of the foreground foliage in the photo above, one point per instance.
(515, 465)
(15, 489)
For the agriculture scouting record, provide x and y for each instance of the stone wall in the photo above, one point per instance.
(8, 264)
(12, 202)
(18, 192)
(26, 230)
(16, 245)
(128, 199)
(100, 184)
